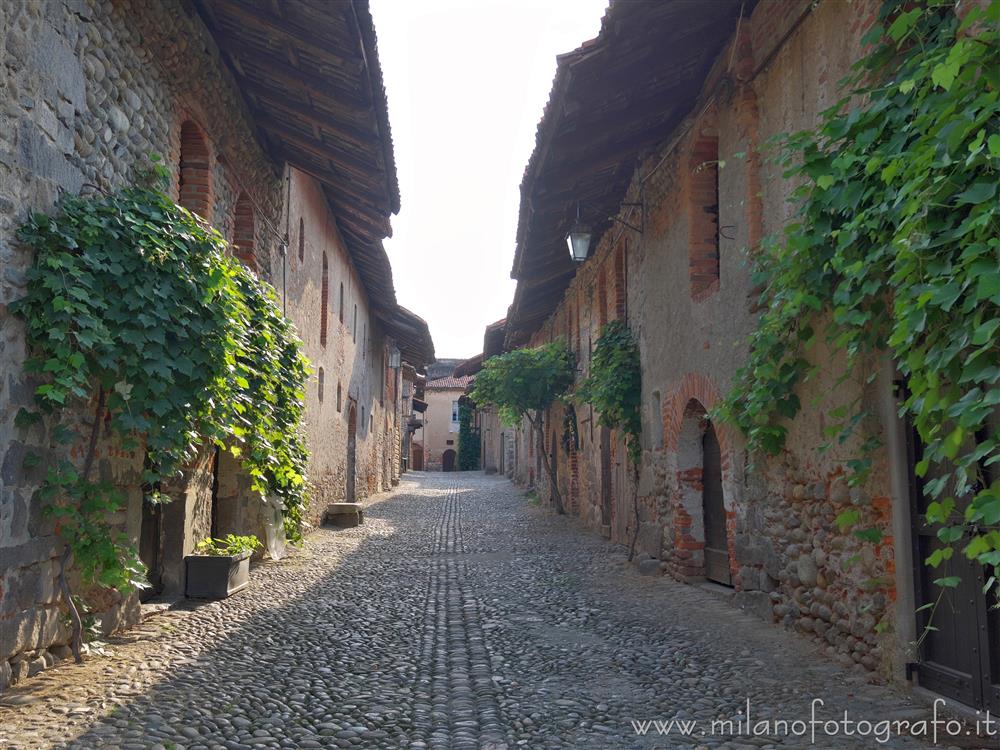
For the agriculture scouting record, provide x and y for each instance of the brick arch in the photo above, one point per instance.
(684, 422)
(245, 231)
(195, 174)
(698, 387)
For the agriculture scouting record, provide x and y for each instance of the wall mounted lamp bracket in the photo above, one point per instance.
(627, 224)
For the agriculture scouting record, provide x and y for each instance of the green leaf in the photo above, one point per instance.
(978, 192)
(847, 519)
(950, 582)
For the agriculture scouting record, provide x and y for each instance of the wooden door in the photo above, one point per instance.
(959, 654)
(714, 510)
(150, 533)
(606, 488)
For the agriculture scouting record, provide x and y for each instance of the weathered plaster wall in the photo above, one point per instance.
(353, 355)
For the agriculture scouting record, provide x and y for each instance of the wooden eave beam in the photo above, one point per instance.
(359, 168)
(328, 124)
(336, 88)
(277, 28)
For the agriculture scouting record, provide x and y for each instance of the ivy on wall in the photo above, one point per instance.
(137, 314)
(468, 440)
(896, 249)
(614, 388)
(614, 385)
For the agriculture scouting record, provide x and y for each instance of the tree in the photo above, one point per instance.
(524, 383)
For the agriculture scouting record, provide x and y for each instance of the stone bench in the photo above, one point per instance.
(343, 515)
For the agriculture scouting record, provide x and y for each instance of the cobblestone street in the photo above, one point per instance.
(458, 616)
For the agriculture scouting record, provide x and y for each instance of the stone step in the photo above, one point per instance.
(343, 515)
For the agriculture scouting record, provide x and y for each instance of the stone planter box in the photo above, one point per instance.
(216, 576)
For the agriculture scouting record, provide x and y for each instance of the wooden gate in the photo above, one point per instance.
(714, 511)
(959, 655)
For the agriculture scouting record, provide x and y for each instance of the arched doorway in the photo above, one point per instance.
(352, 450)
(714, 510)
(448, 460)
(699, 464)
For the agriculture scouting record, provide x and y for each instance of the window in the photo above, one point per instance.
(302, 240)
(703, 242)
(454, 411)
(321, 378)
(245, 231)
(364, 345)
(339, 404)
(341, 301)
(195, 182)
(449, 442)
(362, 416)
(354, 327)
(324, 301)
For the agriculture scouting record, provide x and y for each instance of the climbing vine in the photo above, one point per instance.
(614, 389)
(468, 439)
(614, 385)
(138, 316)
(896, 248)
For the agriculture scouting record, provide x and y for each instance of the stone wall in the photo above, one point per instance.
(684, 289)
(88, 91)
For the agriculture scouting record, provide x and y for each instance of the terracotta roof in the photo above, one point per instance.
(450, 383)
(613, 99)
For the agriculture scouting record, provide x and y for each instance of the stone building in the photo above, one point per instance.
(440, 428)
(660, 123)
(273, 122)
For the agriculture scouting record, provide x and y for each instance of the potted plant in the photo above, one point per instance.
(219, 567)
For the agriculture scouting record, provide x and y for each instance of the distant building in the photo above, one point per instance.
(440, 432)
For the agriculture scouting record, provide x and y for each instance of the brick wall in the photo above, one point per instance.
(689, 298)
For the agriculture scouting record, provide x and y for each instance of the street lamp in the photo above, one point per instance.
(578, 238)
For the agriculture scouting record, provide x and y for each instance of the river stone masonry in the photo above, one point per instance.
(89, 91)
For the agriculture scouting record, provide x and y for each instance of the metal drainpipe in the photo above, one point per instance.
(284, 245)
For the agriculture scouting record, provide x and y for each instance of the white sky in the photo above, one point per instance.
(467, 81)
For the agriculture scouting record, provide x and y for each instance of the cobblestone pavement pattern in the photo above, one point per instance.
(458, 616)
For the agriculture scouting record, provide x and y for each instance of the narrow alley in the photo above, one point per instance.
(458, 615)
